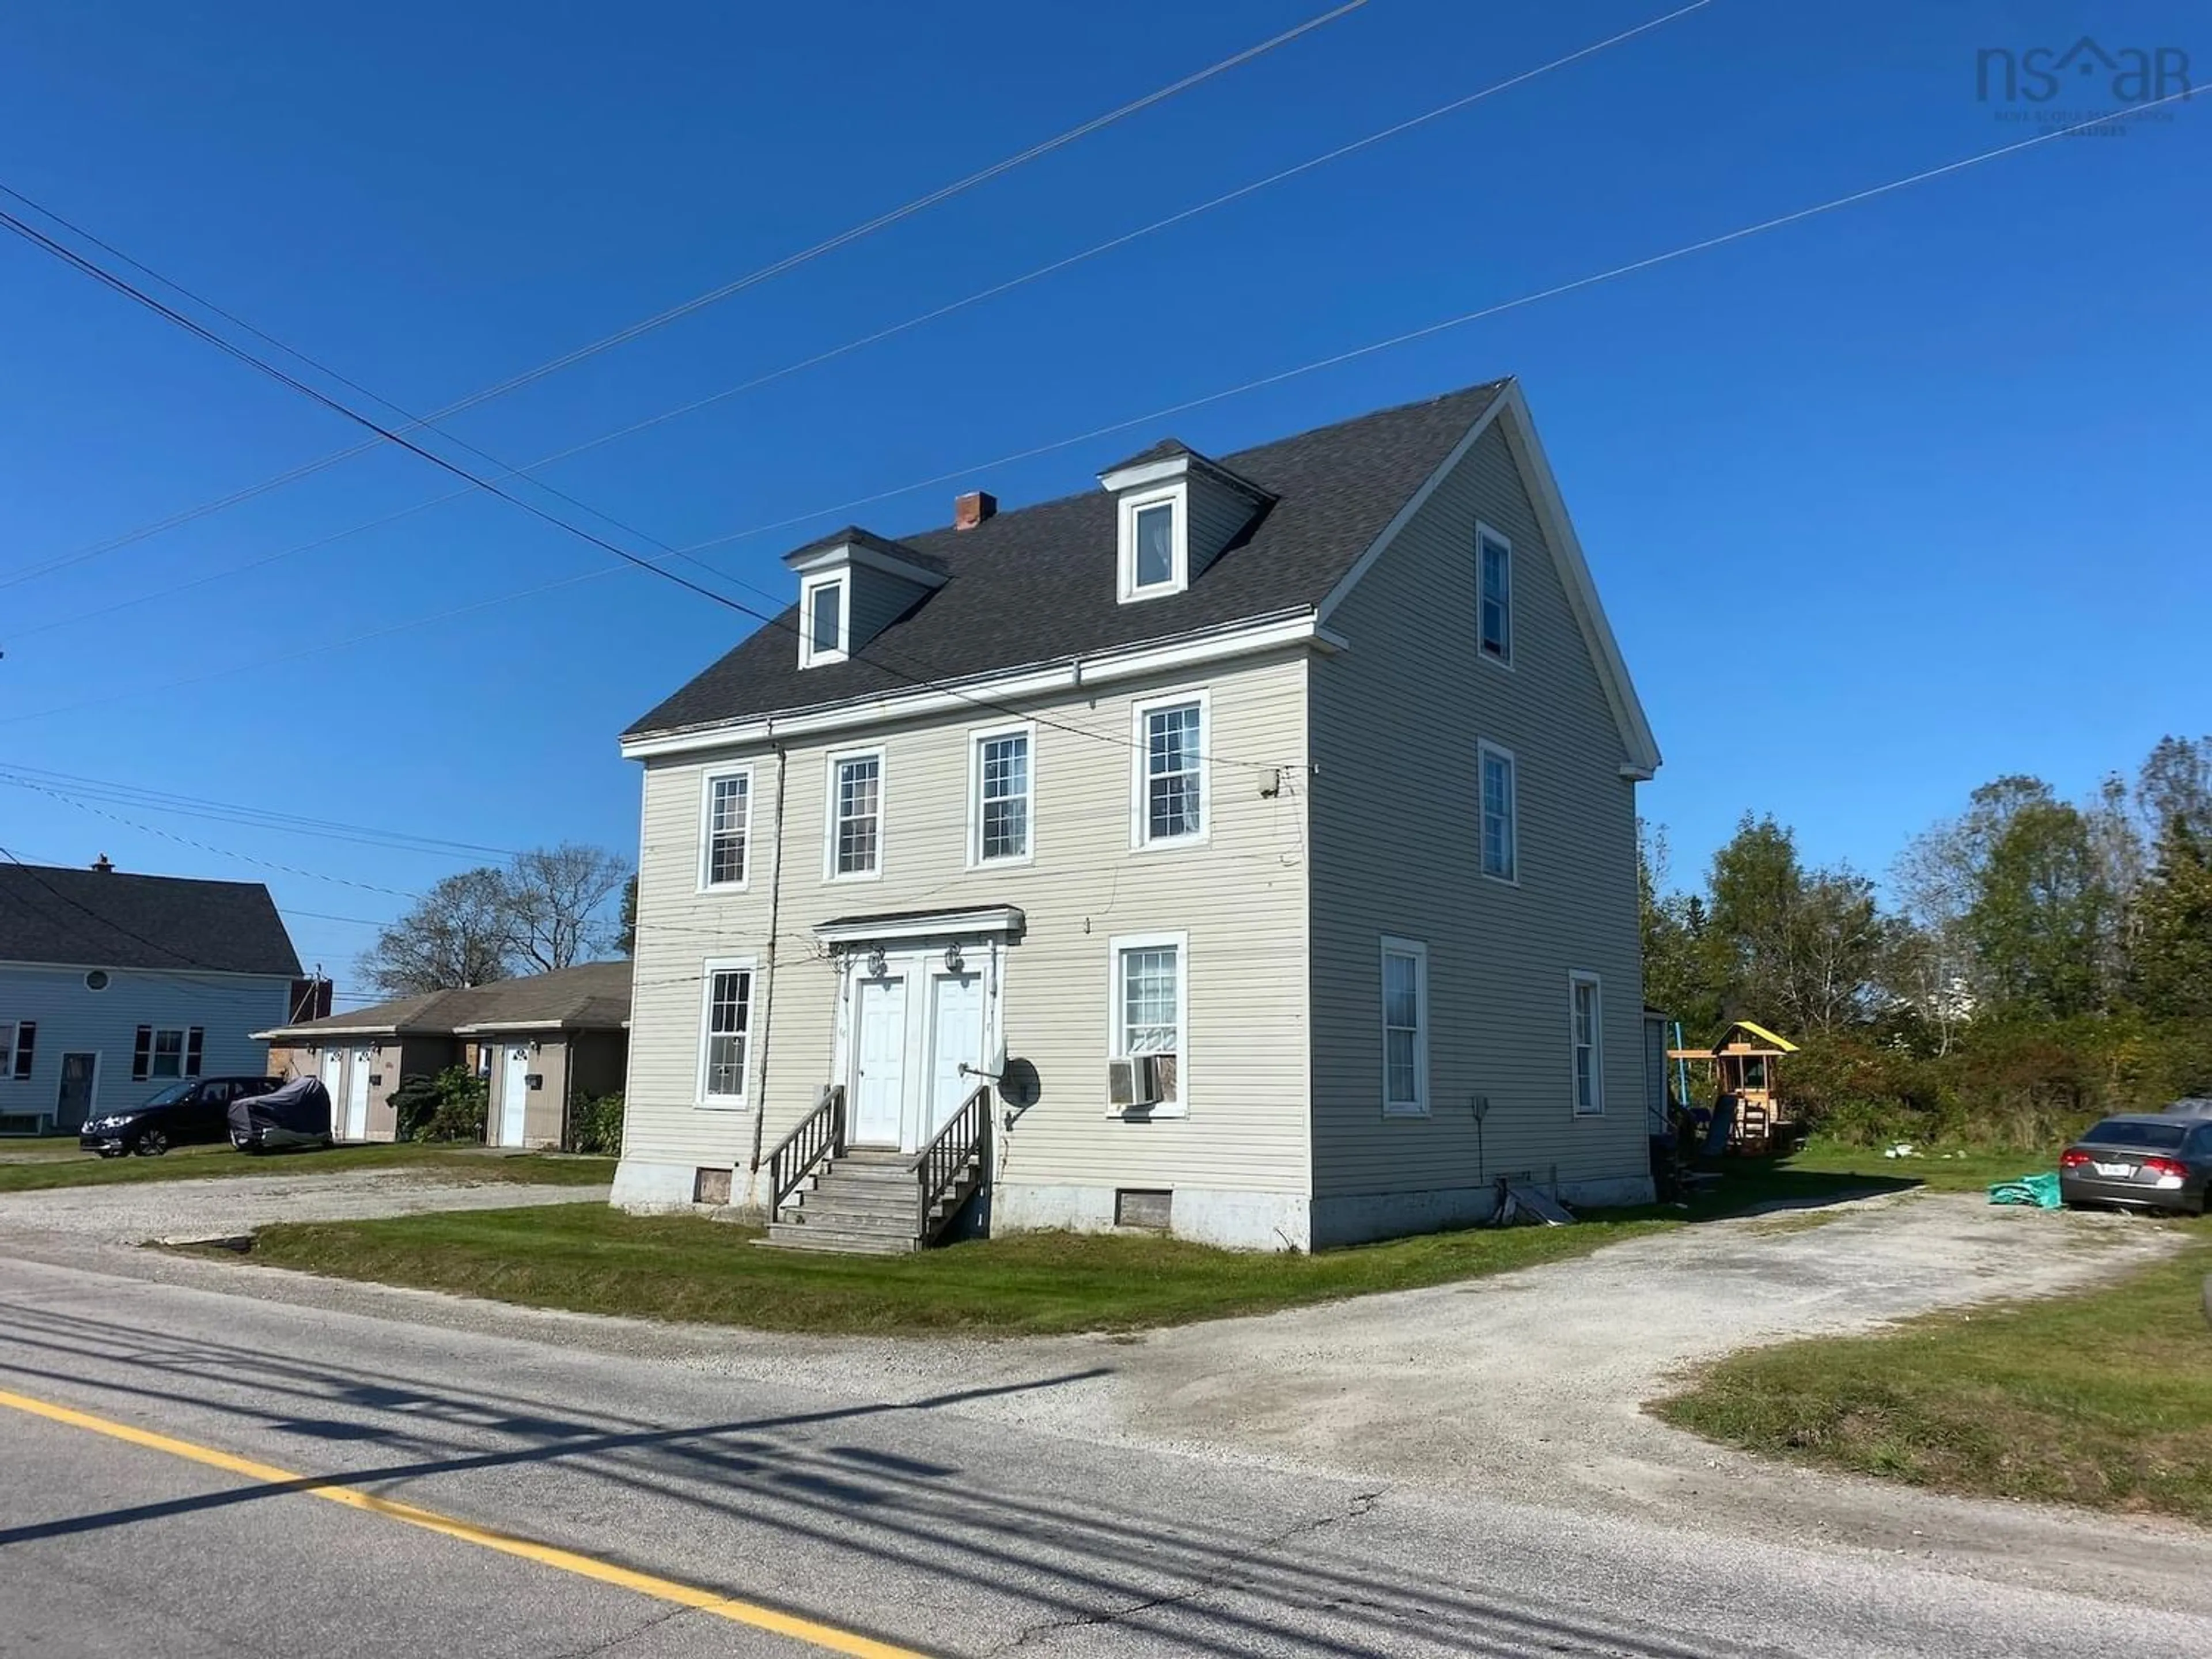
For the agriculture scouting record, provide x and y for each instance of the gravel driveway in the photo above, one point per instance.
(133, 1213)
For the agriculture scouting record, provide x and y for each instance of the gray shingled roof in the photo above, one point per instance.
(107, 918)
(591, 996)
(1037, 583)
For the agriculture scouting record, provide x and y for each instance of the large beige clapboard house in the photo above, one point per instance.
(1245, 847)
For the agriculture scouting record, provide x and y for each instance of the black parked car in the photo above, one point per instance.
(2141, 1162)
(197, 1108)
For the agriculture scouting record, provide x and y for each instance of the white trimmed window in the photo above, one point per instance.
(1001, 790)
(1586, 1042)
(1405, 1027)
(1501, 851)
(726, 831)
(825, 619)
(1155, 541)
(725, 1032)
(8, 1050)
(1151, 1007)
(1494, 573)
(1170, 804)
(854, 851)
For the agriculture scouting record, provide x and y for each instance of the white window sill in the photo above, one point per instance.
(718, 1106)
(850, 877)
(1169, 1110)
(1172, 843)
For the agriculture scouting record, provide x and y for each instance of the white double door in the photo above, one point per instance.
(913, 1030)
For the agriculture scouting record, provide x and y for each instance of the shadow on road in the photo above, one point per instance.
(1143, 1561)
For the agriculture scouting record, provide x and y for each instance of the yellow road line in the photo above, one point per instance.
(584, 1566)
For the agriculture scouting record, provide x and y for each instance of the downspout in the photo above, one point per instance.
(767, 992)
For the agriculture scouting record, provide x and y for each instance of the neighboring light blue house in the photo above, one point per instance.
(113, 985)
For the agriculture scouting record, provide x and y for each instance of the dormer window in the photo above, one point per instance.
(825, 620)
(1176, 513)
(1155, 544)
(853, 585)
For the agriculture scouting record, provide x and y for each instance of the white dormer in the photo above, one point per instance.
(853, 585)
(1175, 512)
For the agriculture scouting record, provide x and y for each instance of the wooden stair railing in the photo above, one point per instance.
(938, 1167)
(820, 1135)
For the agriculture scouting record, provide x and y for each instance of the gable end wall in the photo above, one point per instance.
(1395, 816)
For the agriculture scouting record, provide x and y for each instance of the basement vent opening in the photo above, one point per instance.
(710, 1186)
(1137, 1206)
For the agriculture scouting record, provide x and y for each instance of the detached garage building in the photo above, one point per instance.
(544, 1044)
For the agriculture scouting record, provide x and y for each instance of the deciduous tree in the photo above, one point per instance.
(556, 904)
(459, 933)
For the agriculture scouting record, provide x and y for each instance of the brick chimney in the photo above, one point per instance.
(971, 509)
(104, 865)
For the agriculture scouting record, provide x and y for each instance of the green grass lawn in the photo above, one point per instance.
(1951, 1170)
(2101, 1398)
(52, 1167)
(593, 1260)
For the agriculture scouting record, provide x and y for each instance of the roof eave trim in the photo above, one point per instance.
(843, 554)
(1509, 410)
(309, 1033)
(1119, 479)
(1273, 632)
(476, 1027)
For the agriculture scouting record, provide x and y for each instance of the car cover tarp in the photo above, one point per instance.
(302, 1106)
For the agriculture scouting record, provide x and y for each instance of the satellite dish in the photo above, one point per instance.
(1019, 1085)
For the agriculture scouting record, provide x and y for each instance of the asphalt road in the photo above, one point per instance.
(532, 1473)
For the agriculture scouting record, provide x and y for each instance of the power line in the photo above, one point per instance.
(713, 297)
(1703, 245)
(876, 657)
(1500, 307)
(858, 343)
(183, 805)
(220, 852)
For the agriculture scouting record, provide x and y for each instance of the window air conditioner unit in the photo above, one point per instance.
(1134, 1081)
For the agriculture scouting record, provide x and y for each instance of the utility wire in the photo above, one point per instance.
(875, 657)
(196, 807)
(1532, 298)
(713, 297)
(220, 852)
(860, 342)
(1427, 330)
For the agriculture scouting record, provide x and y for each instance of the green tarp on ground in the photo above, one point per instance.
(2039, 1190)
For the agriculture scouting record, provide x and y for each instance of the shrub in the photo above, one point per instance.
(2005, 1086)
(598, 1126)
(1855, 1091)
(464, 1103)
(412, 1103)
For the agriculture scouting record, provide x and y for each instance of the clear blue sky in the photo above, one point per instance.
(1882, 504)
